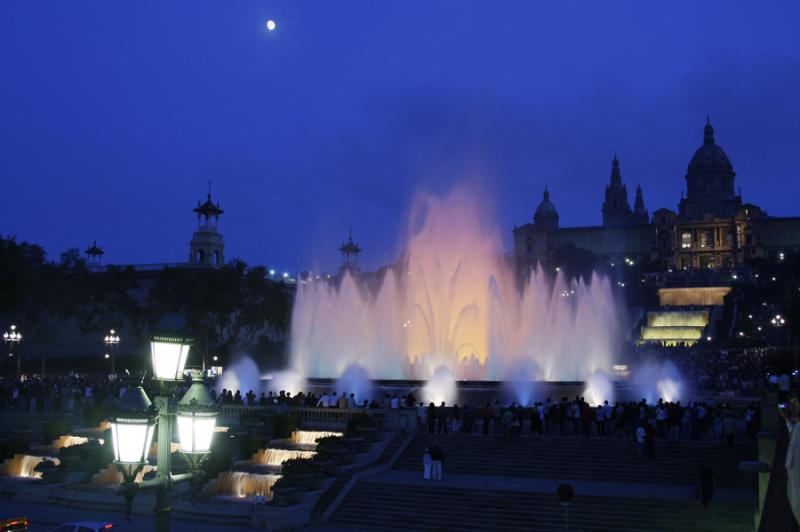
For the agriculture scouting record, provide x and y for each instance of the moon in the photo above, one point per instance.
(271, 25)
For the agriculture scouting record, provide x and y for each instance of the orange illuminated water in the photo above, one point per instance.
(454, 300)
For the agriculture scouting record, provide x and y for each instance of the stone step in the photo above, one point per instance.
(332, 492)
(376, 506)
(576, 458)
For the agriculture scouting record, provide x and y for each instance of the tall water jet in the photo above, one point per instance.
(660, 380)
(440, 387)
(242, 375)
(287, 380)
(521, 381)
(455, 301)
(356, 381)
(599, 389)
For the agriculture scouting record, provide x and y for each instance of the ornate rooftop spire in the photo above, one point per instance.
(708, 132)
(616, 177)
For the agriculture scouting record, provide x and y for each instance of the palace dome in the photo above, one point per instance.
(546, 206)
(709, 156)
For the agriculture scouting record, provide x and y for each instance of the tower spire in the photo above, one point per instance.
(708, 131)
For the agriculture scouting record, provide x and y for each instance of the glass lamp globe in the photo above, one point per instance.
(133, 427)
(169, 346)
(197, 417)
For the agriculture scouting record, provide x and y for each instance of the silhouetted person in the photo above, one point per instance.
(431, 418)
(706, 484)
(442, 414)
(437, 464)
(650, 440)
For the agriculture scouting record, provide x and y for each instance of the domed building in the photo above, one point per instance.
(546, 216)
(712, 228)
(709, 183)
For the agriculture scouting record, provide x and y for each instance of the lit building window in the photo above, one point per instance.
(686, 240)
(707, 238)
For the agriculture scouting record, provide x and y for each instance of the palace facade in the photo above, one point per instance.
(712, 227)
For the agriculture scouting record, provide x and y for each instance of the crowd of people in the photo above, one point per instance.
(57, 393)
(326, 399)
(633, 420)
(735, 372)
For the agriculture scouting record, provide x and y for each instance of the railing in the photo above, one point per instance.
(400, 419)
(309, 416)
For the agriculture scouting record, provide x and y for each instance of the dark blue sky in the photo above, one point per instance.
(114, 115)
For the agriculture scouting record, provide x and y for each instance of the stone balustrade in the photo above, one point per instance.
(311, 417)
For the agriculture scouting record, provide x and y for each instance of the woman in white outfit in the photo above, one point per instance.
(426, 464)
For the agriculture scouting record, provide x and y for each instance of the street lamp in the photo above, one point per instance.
(169, 346)
(111, 340)
(132, 429)
(13, 337)
(778, 320)
(196, 420)
(197, 417)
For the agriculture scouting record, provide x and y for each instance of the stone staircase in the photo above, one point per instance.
(574, 458)
(377, 506)
(327, 499)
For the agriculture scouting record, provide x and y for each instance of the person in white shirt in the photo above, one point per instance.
(395, 403)
(426, 464)
(640, 435)
(324, 401)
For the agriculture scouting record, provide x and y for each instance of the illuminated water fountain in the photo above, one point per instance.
(24, 465)
(110, 476)
(453, 304)
(241, 484)
(275, 457)
(310, 437)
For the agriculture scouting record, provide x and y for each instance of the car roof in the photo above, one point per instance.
(90, 524)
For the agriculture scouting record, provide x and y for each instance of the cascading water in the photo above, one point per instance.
(111, 476)
(454, 301)
(24, 465)
(276, 457)
(310, 437)
(68, 440)
(240, 484)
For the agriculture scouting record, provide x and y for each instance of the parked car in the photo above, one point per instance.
(84, 526)
(12, 523)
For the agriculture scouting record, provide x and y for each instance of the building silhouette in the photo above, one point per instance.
(712, 228)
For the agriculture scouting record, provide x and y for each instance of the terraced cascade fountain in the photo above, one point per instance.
(242, 485)
(275, 457)
(111, 477)
(24, 465)
(310, 437)
(255, 477)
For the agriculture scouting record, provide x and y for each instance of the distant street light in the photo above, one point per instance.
(111, 341)
(13, 337)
